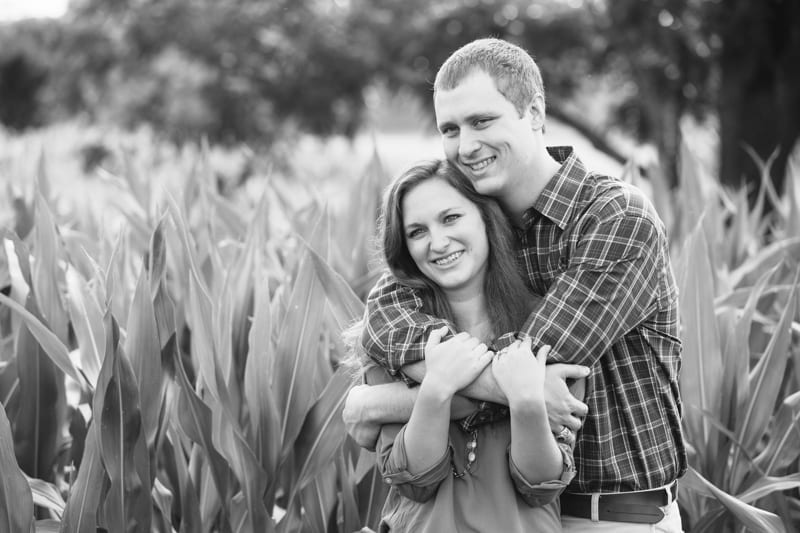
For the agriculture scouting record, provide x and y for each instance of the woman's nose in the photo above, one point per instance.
(439, 240)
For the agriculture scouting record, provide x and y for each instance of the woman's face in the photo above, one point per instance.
(445, 235)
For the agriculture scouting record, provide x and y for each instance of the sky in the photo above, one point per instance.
(19, 9)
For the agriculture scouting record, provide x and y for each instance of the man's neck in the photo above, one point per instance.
(529, 188)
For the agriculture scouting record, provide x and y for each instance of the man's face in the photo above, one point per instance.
(484, 135)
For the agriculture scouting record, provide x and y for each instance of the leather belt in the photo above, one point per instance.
(640, 507)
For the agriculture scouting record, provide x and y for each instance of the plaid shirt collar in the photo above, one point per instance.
(558, 199)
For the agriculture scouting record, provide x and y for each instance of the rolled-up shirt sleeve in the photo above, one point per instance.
(543, 493)
(393, 464)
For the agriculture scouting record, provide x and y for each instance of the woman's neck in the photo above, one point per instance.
(470, 314)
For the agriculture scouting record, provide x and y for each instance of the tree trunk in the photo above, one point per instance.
(759, 99)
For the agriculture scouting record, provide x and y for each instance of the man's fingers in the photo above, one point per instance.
(436, 336)
(579, 408)
(566, 371)
(541, 355)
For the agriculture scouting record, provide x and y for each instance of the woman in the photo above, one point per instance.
(453, 246)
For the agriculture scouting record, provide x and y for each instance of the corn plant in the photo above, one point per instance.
(177, 369)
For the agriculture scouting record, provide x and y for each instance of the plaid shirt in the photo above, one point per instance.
(596, 251)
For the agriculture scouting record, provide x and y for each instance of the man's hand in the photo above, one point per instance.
(364, 432)
(564, 409)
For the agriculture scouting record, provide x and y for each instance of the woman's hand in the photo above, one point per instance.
(519, 374)
(455, 363)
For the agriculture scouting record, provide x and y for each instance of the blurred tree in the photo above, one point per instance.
(732, 59)
(23, 75)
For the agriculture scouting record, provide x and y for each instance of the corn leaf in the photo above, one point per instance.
(186, 492)
(702, 362)
(244, 464)
(47, 526)
(323, 430)
(264, 416)
(298, 354)
(80, 512)
(41, 405)
(319, 500)
(49, 342)
(752, 517)
(765, 381)
(783, 446)
(143, 345)
(194, 418)
(87, 321)
(748, 272)
(47, 495)
(122, 446)
(16, 501)
(47, 276)
(346, 306)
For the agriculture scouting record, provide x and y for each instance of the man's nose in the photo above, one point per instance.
(468, 144)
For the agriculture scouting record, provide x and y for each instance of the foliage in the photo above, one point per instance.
(181, 373)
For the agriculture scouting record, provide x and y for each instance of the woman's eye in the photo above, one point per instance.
(414, 233)
(451, 218)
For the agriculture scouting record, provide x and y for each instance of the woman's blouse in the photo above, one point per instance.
(492, 496)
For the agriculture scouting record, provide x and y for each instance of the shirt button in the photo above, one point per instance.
(388, 480)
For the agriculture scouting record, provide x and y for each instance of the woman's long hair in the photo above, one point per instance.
(508, 298)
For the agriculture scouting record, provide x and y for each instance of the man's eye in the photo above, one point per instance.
(448, 131)
(482, 122)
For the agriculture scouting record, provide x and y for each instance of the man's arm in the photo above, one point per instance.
(383, 401)
(607, 289)
(396, 329)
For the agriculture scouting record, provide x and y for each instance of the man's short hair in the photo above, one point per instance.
(513, 70)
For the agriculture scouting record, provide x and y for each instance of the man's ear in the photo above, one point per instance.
(537, 112)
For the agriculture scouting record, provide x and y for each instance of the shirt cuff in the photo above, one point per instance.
(395, 466)
(543, 493)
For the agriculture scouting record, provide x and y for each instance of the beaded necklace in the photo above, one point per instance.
(470, 452)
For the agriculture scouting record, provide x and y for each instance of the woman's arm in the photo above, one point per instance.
(534, 450)
(451, 365)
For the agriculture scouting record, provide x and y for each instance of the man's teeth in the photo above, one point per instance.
(449, 259)
(482, 164)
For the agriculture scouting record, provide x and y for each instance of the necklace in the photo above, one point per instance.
(470, 452)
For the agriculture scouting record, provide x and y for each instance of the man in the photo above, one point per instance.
(596, 251)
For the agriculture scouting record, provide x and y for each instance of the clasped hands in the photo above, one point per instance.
(461, 363)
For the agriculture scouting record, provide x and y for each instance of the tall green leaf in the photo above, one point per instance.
(80, 513)
(46, 495)
(783, 446)
(47, 274)
(298, 353)
(49, 342)
(702, 362)
(264, 416)
(142, 343)
(323, 430)
(41, 408)
(752, 517)
(194, 418)
(765, 381)
(123, 449)
(16, 501)
(86, 316)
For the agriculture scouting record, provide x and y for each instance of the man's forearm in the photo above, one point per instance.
(483, 388)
